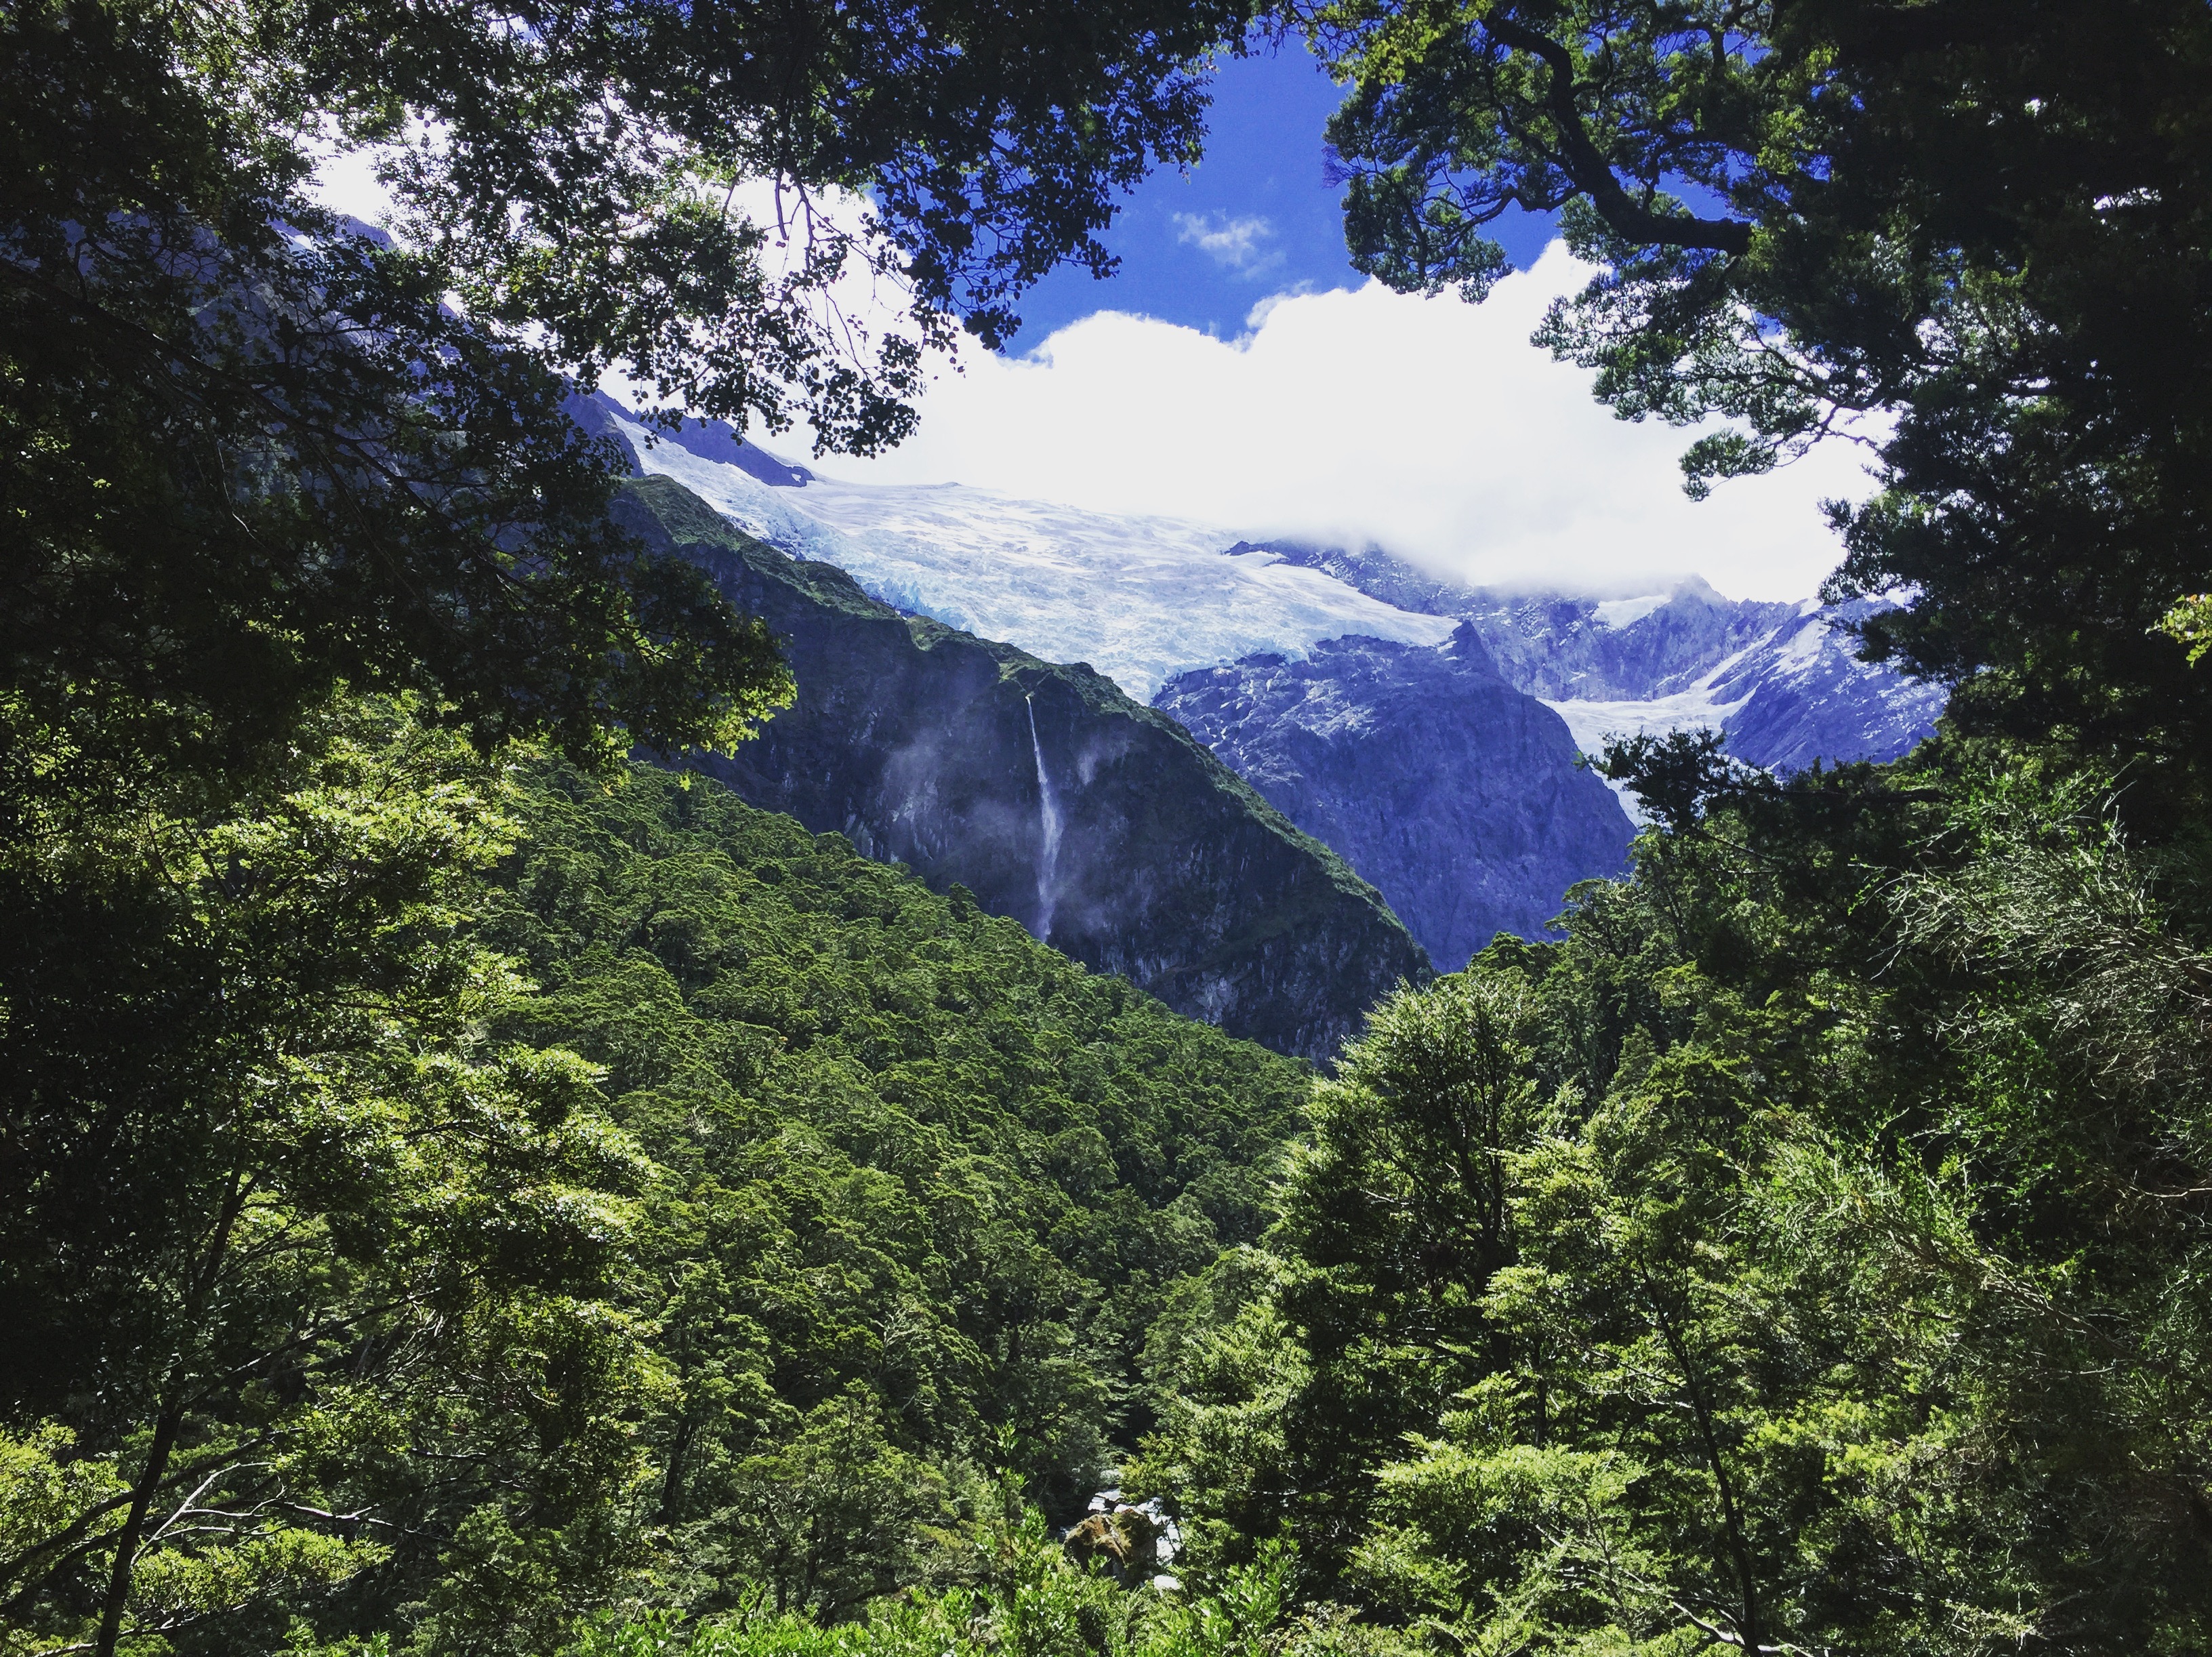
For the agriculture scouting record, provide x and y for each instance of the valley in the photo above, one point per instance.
(1426, 733)
(1337, 1019)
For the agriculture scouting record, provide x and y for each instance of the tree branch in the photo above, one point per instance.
(1592, 173)
(1701, 1412)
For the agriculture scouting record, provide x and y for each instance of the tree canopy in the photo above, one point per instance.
(1983, 224)
(253, 451)
(322, 1325)
(1803, 1251)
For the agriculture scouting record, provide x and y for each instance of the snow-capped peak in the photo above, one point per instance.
(1619, 613)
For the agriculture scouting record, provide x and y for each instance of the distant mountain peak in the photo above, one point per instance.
(1781, 680)
(1457, 795)
(715, 439)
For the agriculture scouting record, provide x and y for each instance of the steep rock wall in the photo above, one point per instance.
(1457, 794)
(952, 754)
(1782, 681)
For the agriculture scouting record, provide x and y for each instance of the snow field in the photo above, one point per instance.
(1141, 600)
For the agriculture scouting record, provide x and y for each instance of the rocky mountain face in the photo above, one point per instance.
(599, 415)
(1802, 694)
(1099, 824)
(1782, 681)
(1457, 794)
(1372, 571)
(1622, 649)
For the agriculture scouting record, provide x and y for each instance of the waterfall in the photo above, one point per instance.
(1048, 815)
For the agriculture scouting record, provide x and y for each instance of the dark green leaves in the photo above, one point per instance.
(253, 455)
(1828, 1305)
(1987, 222)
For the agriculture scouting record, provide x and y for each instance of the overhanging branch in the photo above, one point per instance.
(1592, 174)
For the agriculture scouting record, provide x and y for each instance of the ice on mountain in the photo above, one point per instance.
(1619, 613)
(1798, 696)
(1703, 706)
(1141, 599)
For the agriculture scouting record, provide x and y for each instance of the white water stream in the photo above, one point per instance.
(1048, 813)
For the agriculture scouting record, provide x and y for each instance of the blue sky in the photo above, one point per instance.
(1343, 413)
(1257, 218)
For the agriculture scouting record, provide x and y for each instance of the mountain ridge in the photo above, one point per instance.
(1458, 795)
(928, 746)
(1781, 681)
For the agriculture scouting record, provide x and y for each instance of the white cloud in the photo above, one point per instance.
(345, 181)
(1431, 426)
(1237, 244)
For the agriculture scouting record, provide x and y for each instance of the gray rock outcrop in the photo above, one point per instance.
(1455, 794)
(1103, 826)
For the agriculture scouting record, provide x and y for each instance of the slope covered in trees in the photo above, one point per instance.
(1807, 1251)
(868, 1205)
(904, 1148)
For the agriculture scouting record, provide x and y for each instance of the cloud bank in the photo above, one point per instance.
(1428, 425)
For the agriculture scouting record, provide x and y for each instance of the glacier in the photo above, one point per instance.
(1619, 613)
(1798, 695)
(1144, 600)
(1141, 599)
(1703, 705)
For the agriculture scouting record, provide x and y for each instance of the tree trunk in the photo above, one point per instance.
(170, 1423)
(134, 1526)
(1750, 1622)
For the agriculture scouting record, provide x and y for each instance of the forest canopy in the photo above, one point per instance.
(466, 1190)
(1806, 1251)
(796, 1222)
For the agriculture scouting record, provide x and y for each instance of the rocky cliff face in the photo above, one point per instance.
(1802, 694)
(1457, 794)
(1782, 681)
(1636, 649)
(1098, 823)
